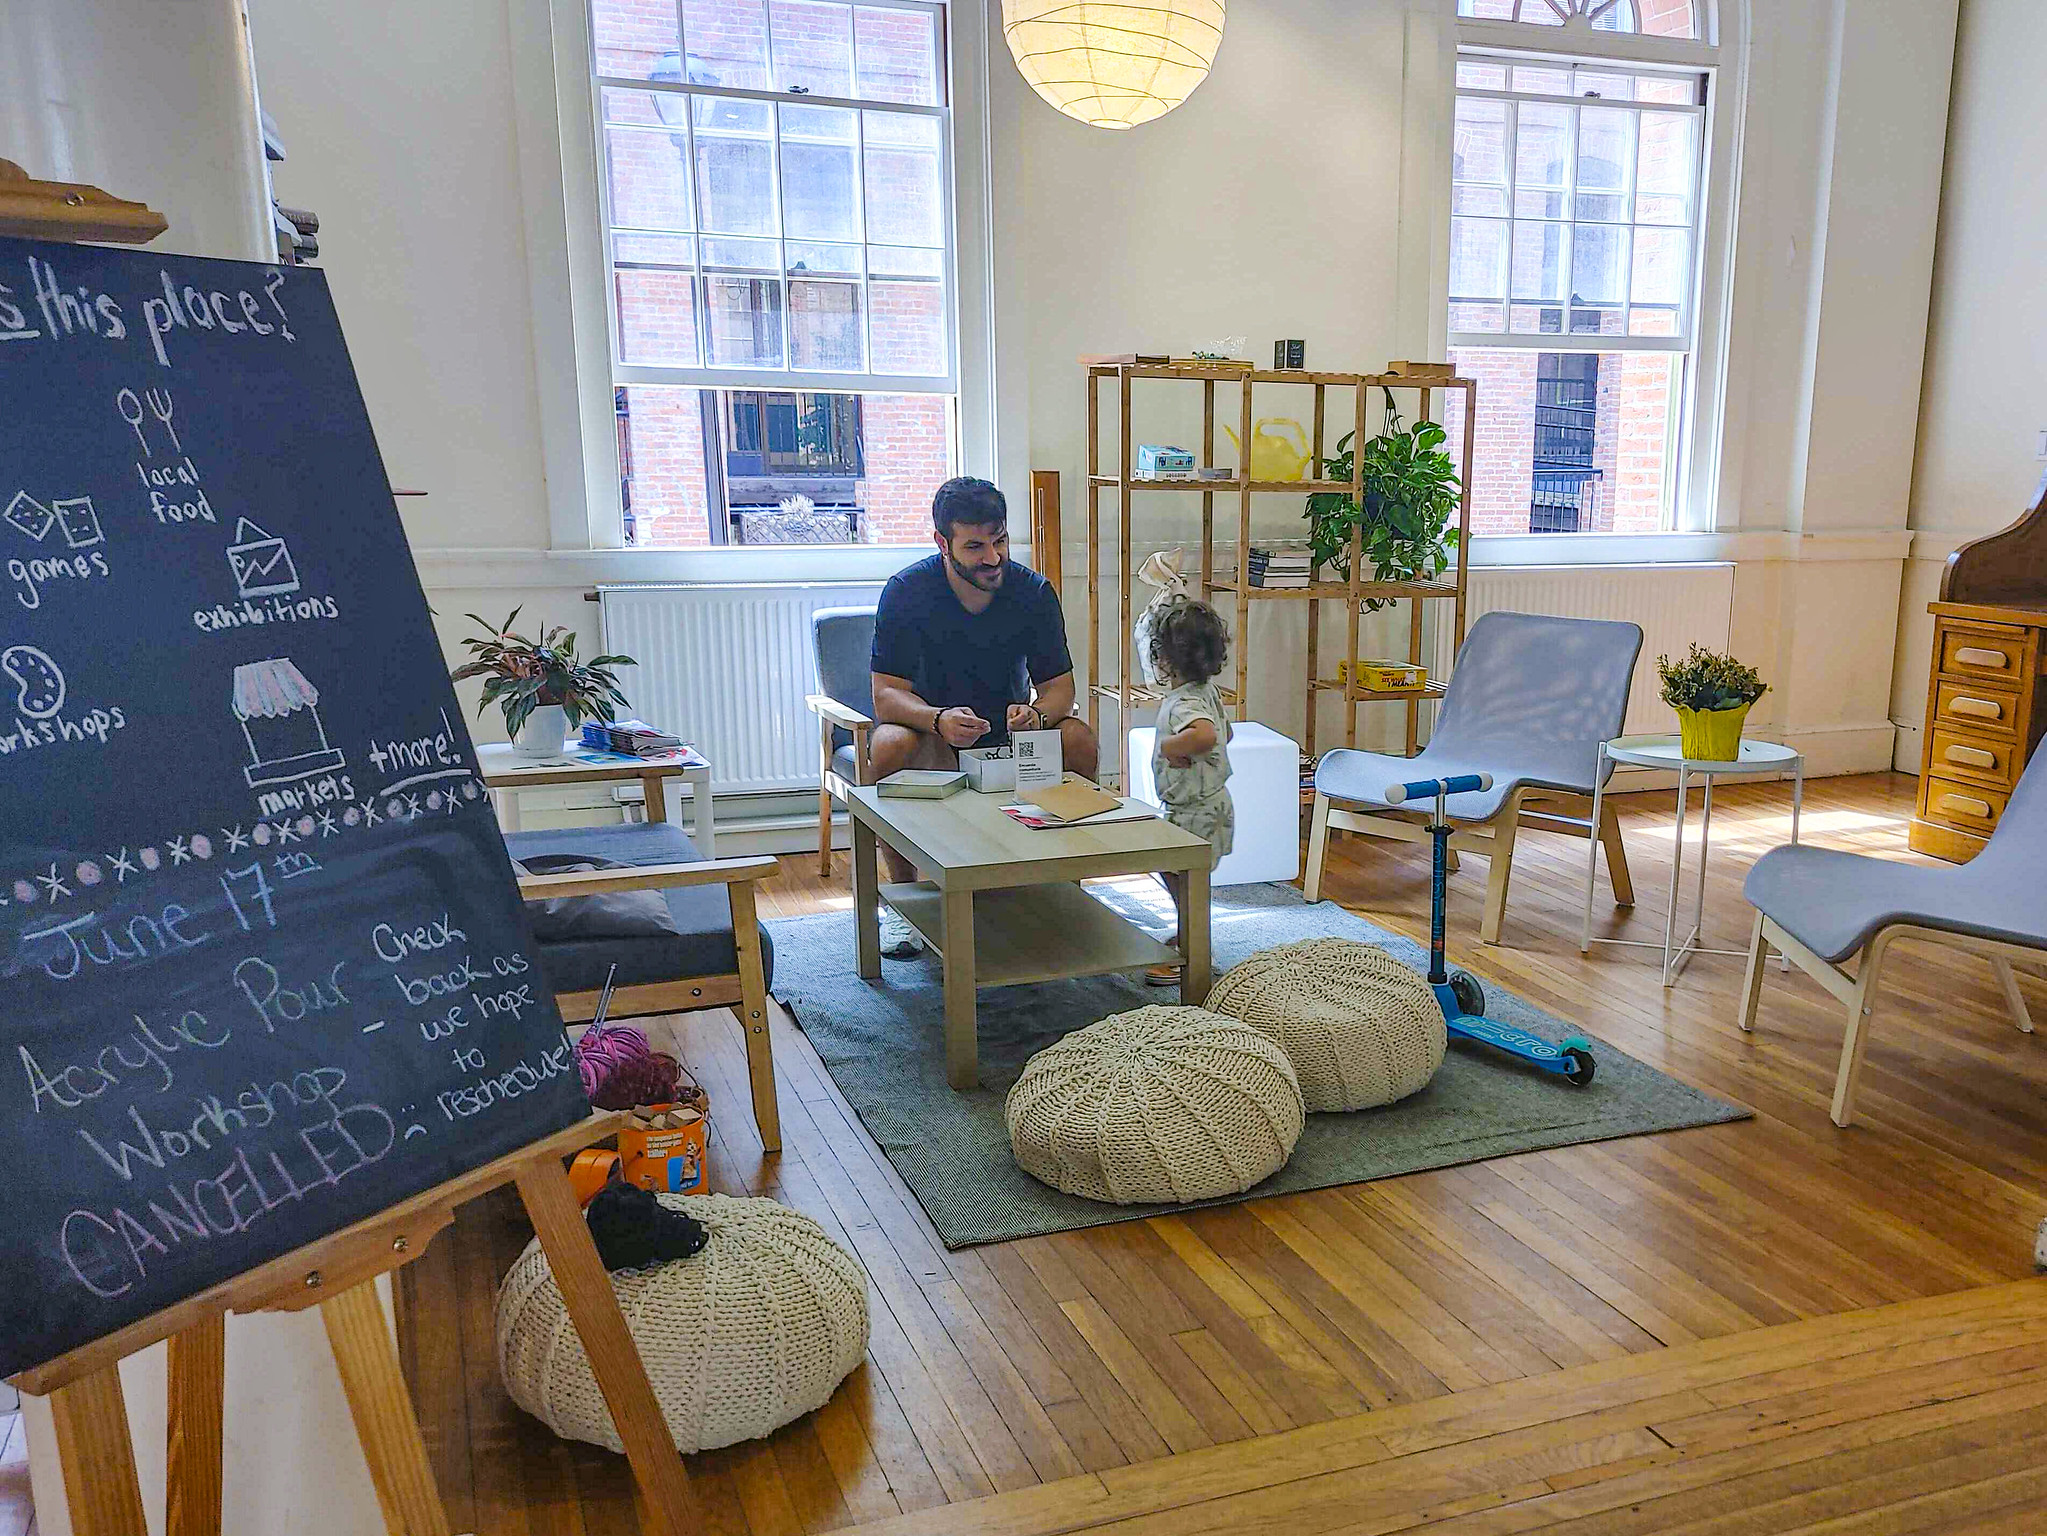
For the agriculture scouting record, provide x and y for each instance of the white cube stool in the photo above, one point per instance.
(1265, 787)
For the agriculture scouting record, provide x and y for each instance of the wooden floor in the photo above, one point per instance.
(1343, 1320)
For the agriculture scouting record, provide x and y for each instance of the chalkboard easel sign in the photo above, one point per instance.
(266, 983)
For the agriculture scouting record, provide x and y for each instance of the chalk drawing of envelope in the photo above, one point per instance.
(262, 565)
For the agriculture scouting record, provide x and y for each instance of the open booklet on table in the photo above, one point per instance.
(1074, 800)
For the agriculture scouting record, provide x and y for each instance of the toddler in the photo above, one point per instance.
(1189, 764)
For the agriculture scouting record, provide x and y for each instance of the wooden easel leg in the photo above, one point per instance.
(198, 1378)
(753, 1015)
(384, 1420)
(667, 1508)
(98, 1458)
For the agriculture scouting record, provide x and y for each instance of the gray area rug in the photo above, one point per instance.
(884, 1044)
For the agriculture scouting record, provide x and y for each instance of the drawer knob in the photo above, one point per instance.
(1982, 709)
(1971, 757)
(1965, 805)
(1977, 656)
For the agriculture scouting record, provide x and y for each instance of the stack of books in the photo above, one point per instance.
(1280, 567)
(634, 738)
(1308, 775)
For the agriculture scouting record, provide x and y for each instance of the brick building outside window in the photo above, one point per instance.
(778, 214)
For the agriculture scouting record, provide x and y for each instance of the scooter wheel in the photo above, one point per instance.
(1469, 994)
(1579, 1049)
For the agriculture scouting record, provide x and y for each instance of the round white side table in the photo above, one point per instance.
(1757, 757)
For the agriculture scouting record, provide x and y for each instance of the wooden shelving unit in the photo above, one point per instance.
(1126, 692)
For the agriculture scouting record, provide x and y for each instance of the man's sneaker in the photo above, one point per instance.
(899, 941)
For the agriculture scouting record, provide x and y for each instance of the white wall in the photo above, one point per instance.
(1985, 400)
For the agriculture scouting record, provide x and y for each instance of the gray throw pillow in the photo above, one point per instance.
(616, 915)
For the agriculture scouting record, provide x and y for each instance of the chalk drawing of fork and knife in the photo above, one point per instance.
(161, 406)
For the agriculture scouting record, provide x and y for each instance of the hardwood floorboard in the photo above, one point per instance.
(1489, 1349)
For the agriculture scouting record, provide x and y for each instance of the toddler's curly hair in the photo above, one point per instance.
(1189, 642)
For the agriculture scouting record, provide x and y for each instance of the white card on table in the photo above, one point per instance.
(1037, 759)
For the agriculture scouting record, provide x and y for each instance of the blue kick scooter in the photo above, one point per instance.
(1458, 993)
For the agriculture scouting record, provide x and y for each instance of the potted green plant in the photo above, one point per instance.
(544, 690)
(1712, 693)
(1411, 495)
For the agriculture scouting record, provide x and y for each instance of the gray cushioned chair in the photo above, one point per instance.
(1530, 700)
(721, 958)
(1819, 906)
(844, 706)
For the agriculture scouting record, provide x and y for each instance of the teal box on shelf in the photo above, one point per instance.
(1162, 459)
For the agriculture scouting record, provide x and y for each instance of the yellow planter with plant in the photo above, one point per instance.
(1712, 694)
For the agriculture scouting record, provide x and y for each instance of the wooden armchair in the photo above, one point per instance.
(844, 706)
(721, 958)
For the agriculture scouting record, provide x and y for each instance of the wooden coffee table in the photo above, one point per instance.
(1005, 906)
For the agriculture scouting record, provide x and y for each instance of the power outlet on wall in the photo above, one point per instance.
(2041, 451)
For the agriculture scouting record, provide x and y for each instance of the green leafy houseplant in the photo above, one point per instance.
(527, 674)
(1707, 681)
(1411, 496)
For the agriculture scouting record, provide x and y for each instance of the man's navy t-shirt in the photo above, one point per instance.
(984, 661)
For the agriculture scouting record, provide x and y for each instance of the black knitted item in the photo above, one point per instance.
(633, 1230)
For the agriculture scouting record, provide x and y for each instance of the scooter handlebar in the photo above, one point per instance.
(1428, 789)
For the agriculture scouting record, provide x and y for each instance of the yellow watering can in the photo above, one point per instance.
(1272, 456)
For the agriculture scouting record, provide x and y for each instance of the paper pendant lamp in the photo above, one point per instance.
(1113, 66)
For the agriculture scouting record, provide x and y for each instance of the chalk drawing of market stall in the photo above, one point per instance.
(280, 716)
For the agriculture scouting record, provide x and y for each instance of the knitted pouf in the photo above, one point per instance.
(1360, 1028)
(1156, 1105)
(755, 1330)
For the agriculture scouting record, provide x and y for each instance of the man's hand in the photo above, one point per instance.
(960, 726)
(1022, 717)
(1180, 759)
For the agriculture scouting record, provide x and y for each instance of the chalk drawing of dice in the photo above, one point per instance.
(80, 523)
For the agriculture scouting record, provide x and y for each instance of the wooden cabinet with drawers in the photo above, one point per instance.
(1986, 708)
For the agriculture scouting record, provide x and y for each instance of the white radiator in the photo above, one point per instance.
(726, 667)
(1674, 604)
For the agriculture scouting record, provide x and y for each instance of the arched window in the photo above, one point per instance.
(1580, 191)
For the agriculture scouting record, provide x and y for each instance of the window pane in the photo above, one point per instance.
(633, 36)
(1541, 258)
(820, 193)
(896, 54)
(1548, 80)
(794, 466)
(649, 178)
(1669, 168)
(908, 327)
(1571, 441)
(1599, 266)
(1668, 18)
(1606, 163)
(1477, 317)
(813, 258)
(1542, 160)
(646, 108)
(728, 43)
(1662, 276)
(741, 255)
(904, 261)
(1679, 90)
(826, 330)
(1479, 172)
(1606, 84)
(743, 318)
(660, 250)
(1480, 76)
(735, 166)
(1487, 10)
(813, 47)
(904, 202)
(657, 322)
(1478, 258)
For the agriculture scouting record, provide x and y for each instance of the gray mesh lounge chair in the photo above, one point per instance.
(844, 706)
(1818, 906)
(1530, 701)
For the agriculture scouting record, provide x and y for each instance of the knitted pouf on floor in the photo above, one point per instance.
(1360, 1028)
(755, 1330)
(1154, 1106)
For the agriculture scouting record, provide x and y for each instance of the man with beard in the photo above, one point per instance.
(968, 647)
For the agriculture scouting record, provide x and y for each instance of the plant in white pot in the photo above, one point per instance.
(544, 690)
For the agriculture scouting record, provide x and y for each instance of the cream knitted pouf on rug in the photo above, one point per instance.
(1360, 1028)
(1154, 1106)
(755, 1330)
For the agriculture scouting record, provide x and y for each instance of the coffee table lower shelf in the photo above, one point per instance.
(1035, 933)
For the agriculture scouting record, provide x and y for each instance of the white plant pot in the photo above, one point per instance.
(543, 733)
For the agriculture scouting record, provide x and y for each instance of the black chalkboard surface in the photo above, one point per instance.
(263, 967)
